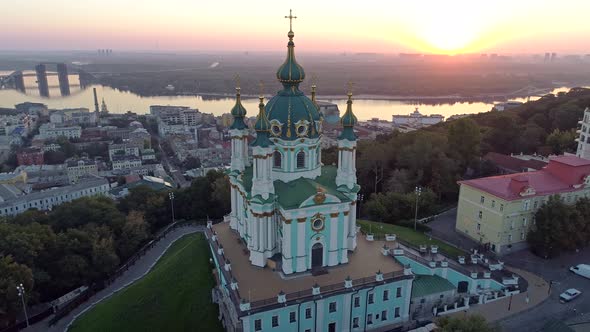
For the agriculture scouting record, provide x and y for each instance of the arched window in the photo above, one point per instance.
(301, 159)
(278, 160)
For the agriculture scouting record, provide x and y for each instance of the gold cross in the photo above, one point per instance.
(350, 86)
(261, 88)
(314, 79)
(290, 17)
(237, 79)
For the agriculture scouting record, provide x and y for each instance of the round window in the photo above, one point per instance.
(301, 130)
(318, 224)
(276, 130)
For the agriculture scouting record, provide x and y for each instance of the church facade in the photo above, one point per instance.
(289, 209)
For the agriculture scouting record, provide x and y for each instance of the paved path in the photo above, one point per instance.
(537, 293)
(135, 272)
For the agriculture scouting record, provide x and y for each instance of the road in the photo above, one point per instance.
(556, 270)
(176, 174)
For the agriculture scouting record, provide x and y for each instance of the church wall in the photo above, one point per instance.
(345, 312)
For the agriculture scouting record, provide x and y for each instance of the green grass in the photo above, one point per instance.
(174, 296)
(409, 235)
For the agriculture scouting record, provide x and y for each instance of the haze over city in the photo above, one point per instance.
(448, 27)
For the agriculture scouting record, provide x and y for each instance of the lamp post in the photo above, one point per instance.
(418, 191)
(21, 292)
(359, 198)
(171, 196)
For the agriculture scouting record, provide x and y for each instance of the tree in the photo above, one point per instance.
(134, 233)
(96, 210)
(550, 235)
(192, 162)
(11, 275)
(464, 139)
(561, 141)
(470, 323)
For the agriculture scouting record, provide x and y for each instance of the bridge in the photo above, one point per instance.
(15, 80)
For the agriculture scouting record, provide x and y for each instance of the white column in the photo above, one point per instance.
(287, 262)
(333, 245)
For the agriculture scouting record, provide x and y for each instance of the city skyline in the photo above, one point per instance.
(450, 27)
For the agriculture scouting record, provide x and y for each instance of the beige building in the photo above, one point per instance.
(498, 211)
(80, 168)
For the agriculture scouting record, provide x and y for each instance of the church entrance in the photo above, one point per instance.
(317, 256)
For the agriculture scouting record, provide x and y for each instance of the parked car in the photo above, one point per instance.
(569, 295)
(581, 270)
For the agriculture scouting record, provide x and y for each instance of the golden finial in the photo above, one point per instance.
(261, 89)
(313, 87)
(350, 87)
(237, 79)
(290, 17)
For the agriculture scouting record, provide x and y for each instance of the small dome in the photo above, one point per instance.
(290, 72)
(348, 121)
(238, 112)
(262, 127)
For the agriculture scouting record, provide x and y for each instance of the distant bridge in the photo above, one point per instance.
(15, 80)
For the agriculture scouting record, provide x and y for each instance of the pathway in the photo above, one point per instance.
(537, 293)
(135, 272)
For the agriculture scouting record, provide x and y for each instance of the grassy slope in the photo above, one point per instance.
(174, 296)
(408, 235)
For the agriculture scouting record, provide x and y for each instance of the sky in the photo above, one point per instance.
(385, 26)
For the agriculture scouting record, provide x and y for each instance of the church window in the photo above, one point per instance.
(396, 313)
(332, 307)
(371, 298)
(292, 317)
(258, 325)
(301, 159)
(301, 130)
(275, 321)
(276, 129)
(308, 313)
(318, 224)
(277, 160)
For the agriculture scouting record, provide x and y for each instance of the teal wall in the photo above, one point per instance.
(452, 275)
(322, 316)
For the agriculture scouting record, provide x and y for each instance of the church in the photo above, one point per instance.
(290, 210)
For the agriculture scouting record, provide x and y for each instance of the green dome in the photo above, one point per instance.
(262, 127)
(348, 121)
(290, 72)
(238, 112)
(262, 123)
(292, 115)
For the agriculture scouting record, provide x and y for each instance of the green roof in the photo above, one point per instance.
(292, 194)
(348, 121)
(238, 112)
(425, 285)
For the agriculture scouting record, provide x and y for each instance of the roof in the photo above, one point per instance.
(562, 174)
(257, 283)
(513, 164)
(571, 160)
(290, 195)
(289, 109)
(425, 285)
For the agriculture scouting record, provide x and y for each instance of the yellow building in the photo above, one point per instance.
(498, 211)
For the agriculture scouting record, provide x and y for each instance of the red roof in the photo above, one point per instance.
(562, 174)
(513, 164)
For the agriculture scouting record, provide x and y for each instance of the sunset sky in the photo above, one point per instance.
(433, 26)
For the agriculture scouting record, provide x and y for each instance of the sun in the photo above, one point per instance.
(449, 29)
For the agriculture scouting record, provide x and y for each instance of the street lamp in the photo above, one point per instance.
(171, 196)
(359, 198)
(21, 292)
(418, 192)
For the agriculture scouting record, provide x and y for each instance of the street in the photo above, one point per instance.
(554, 270)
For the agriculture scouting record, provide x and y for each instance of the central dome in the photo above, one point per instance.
(291, 114)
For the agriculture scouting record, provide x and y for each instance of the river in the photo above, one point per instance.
(122, 101)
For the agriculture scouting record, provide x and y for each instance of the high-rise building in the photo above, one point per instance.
(583, 150)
